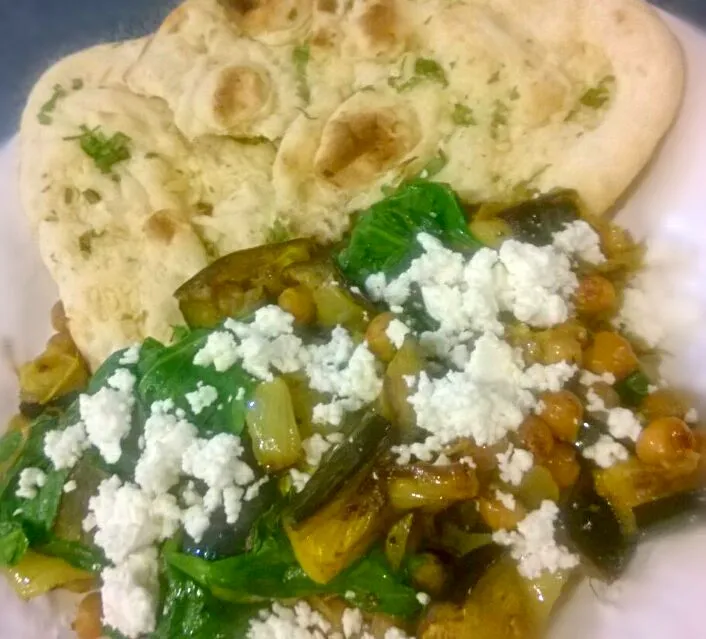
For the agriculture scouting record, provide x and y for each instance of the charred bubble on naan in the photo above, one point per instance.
(248, 115)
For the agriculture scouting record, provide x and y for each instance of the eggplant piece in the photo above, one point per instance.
(238, 284)
(633, 389)
(535, 221)
(362, 443)
(589, 433)
(682, 508)
(595, 530)
(469, 569)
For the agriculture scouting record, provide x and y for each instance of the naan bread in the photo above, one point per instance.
(244, 115)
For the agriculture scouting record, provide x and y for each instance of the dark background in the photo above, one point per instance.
(34, 33)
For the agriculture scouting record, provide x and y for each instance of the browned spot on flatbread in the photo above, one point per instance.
(327, 6)
(379, 23)
(240, 93)
(359, 146)
(161, 226)
(256, 17)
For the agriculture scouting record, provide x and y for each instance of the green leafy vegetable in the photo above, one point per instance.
(75, 553)
(596, 97)
(10, 444)
(49, 106)
(13, 543)
(105, 151)
(424, 69)
(463, 115)
(633, 389)
(384, 238)
(39, 513)
(300, 58)
(170, 373)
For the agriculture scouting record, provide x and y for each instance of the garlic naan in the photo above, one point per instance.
(246, 114)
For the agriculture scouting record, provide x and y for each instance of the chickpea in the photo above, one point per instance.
(663, 403)
(490, 232)
(615, 240)
(595, 295)
(563, 465)
(497, 516)
(536, 436)
(560, 346)
(664, 441)
(299, 302)
(376, 336)
(563, 412)
(610, 353)
(87, 624)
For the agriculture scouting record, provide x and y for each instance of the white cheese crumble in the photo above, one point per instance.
(692, 416)
(299, 622)
(70, 486)
(506, 499)
(513, 464)
(129, 594)
(605, 452)
(316, 446)
(128, 520)
(423, 598)
(65, 447)
(533, 545)
(107, 414)
(219, 351)
(396, 331)
(203, 397)
(130, 356)
(31, 479)
(622, 424)
(579, 239)
(299, 479)
(637, 316)
(347, 372)
(587, 378)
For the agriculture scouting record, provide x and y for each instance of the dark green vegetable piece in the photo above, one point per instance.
(534, 221)
(13, 543)
(362, 443)
(189, 611)
(589, 433)
(633, 389)
(77, 554)
(10, 444)
(105, 151)
(384, 238)
(300, 58)
(681, 507)
(424, 69)
(170, 373)
(595, 530)
(238, 284)
(463, 115)
(468, 569)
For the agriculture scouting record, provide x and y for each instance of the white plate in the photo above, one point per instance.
(663, 593)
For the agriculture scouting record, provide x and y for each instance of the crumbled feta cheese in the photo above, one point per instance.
(579, 239)
(622, 424)
(219, 351)
(605, 452)
(299, 622)
(423, 598)
(239, 395)
(594, 403)
(588, 378)
(396, 633)
(196, 521)
(537, 283)
(201, 398)
(129, 594)
(345, 371)
(375, 286)
(89, 523)
(396, 331)
(299, 479)
(253, 490)
(232, 503)
(692, 416)
(130, 356)
(128, 520)
(216, 462)
(316, 446)
(107, 414)
(533, 545)
(70, 486)
(638, 318)
(31, 479)
(166, 439)
(506, 499)
(65, 447)
(513, 464)
(352, 623)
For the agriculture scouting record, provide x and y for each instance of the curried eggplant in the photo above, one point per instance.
(239, 283)
(362, 443)
(342, 531)
(595, 530)
(680, 507)
(399, 540)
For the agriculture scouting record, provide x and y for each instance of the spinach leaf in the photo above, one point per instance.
(170, 373)
(38, 514)
(190, 611)
(13, 543)
(9, 445)
(77, 554)
(633, 389)
(270, 571)
(384, 238)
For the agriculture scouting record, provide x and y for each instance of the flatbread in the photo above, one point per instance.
(249, 115)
